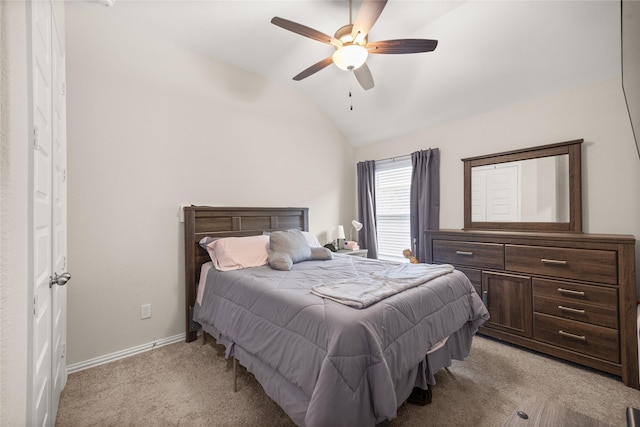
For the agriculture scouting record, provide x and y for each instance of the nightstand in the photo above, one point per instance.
(360, 252)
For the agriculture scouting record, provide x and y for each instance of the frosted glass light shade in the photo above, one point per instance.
(357, 225)
(350, 57)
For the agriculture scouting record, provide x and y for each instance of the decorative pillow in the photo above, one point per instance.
(321, 254)
(292, 243)
(290, 247)
(311, 239)
(235, 253)
(206, 240)
(280, 261)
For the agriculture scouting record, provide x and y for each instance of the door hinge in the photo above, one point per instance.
(64, 263)
(64, 175)
(35, 138)
(64, 88)
(35, 305)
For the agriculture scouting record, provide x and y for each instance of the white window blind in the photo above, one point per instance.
(393, 186)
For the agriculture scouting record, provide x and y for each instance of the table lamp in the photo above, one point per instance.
(340, 237)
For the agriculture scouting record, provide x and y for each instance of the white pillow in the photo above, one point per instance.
(235, 253)
(312, 240)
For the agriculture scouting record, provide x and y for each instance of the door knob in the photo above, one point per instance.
(60, 280)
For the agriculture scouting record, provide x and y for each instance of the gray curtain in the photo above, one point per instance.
(425, 198)
(367, 236)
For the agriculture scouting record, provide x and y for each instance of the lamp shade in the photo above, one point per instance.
(350, 57)
(357, 225)
(340, 234)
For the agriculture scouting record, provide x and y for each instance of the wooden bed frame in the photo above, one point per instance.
(203, 221)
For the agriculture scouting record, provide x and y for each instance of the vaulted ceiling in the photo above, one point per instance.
(490, 53)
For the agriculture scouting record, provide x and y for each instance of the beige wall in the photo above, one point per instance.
(152, 126)
(597, 113)
(13, 214)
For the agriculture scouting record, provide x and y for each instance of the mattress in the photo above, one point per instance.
(326, 363)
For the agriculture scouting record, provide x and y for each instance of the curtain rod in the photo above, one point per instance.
(394, 159)
(397, 158)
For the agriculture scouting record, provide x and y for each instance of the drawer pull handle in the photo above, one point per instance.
(553, 261)
(464, 253)
(574, 336)
(570, 292)
(570, 310)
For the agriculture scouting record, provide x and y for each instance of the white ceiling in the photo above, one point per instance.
(490, 53)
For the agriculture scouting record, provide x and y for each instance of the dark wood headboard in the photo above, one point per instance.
(202, 221)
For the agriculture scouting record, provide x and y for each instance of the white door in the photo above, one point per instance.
(478, 194)
(40, 363)
(495, 192)
(503, 194)
(48, 228)
(59, 217)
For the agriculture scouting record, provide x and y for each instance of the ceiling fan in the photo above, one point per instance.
(352, 44)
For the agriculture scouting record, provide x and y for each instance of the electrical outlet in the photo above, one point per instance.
(145, 311)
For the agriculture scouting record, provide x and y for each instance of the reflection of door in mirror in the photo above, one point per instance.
(495, 192)
(533, 190)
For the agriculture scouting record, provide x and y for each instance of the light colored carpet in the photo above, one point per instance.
(191, 385)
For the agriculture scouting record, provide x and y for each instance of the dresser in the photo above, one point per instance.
(568, 295)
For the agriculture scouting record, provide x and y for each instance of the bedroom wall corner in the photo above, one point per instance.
(152, 126)
(14, 309)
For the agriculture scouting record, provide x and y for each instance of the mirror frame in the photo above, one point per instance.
(572, 148)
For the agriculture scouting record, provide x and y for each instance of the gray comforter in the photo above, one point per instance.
(326, 363)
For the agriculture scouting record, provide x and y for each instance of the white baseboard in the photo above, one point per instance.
(123, 353)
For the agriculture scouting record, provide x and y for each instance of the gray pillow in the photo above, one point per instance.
(280, 261)
(321, 254)
(206, 240)
(289, 247)
(292, 243)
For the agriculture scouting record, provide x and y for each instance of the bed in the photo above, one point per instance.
(323, 362)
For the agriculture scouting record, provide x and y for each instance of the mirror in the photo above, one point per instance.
(500, 192)
(534, 189)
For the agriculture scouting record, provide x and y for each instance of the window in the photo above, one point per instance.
(393, 191)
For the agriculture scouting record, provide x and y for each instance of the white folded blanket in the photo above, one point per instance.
(363, 291)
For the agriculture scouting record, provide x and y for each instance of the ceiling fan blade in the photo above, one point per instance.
(364, 77)
(314, 68)
(303, 30)
(402, 46)
(367, 16)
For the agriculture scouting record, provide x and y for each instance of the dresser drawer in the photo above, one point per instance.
(473, 254)
(593, 340)
(582, 264)
(576, 292)
(581, 312)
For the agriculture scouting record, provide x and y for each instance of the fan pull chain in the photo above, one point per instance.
(350, 102)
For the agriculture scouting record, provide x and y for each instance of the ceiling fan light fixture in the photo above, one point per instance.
(360, 39)
(350, 57)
